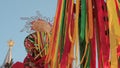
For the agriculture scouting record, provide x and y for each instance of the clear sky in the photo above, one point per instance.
(10, 23)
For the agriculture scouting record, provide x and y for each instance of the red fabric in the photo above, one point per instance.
(18, 65)
(41, 60)
(38, 63)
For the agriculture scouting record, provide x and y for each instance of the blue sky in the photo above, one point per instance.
(10, 23)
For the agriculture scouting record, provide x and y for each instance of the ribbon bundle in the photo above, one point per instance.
(83, 31)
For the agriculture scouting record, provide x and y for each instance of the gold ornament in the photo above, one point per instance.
(10, 43)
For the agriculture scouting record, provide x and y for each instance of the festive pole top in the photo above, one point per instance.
(8, 60)
(11, 43)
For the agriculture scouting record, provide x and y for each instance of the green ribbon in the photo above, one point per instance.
(83, 20)
(82, 26)
(82, 49)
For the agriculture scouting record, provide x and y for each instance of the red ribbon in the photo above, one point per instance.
(67, 46)
(103, 44)
(93, 51)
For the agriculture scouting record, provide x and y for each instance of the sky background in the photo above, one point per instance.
(10, 23)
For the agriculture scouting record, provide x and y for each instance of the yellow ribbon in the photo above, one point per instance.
(114, 30)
